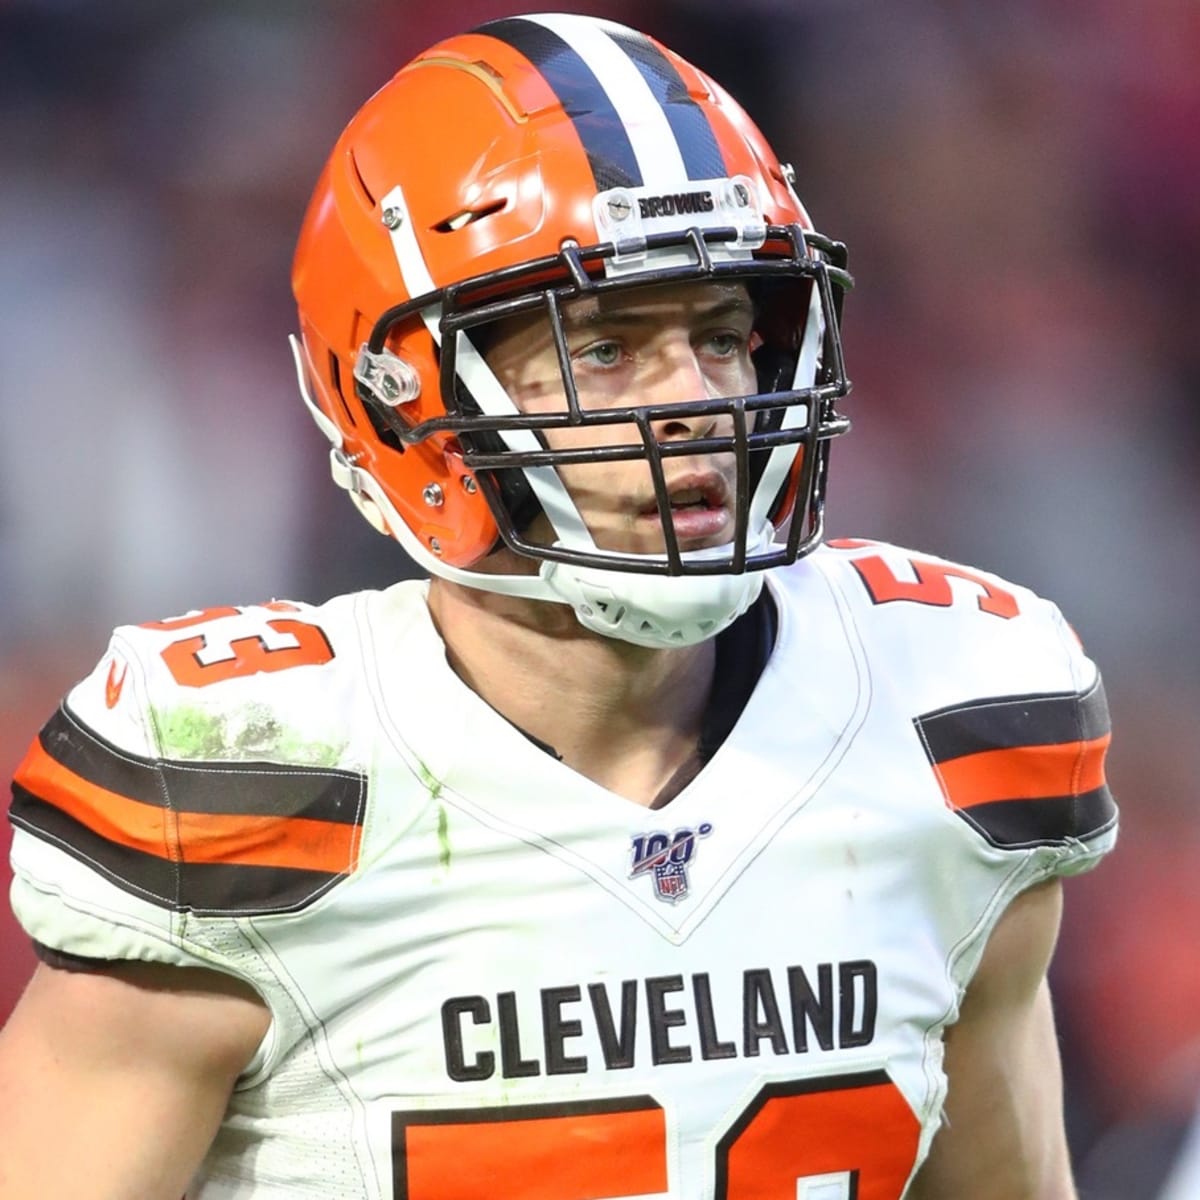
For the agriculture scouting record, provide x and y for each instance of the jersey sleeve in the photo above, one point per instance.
(151, 819)
(83, 816)
(1009, 709)
(1028, 771)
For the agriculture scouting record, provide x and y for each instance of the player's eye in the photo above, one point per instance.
(601, 354)
(725, 343)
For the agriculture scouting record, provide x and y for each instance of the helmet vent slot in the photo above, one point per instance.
(362, 183)
(468, 216)
(335, 376)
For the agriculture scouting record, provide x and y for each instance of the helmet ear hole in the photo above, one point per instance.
(335, 377)
(380, 424)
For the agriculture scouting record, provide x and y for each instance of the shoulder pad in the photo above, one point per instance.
(948, 633)
(271, 682)
(890, 575)
(1010, 711)
(198, 798)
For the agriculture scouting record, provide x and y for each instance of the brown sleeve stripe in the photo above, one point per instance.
(1015, 721)
(109, 815)
(235, 788)
(1024, 770)
(1018, 824)
(273, 836)
(204, 888)
(186, 836)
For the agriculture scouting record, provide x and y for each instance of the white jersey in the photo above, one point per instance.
(490, 976)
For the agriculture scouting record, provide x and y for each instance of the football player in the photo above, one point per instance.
(649, 848)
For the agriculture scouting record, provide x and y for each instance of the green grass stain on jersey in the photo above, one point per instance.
(191, 733)
(242, 735)
(443, 837)
(427, 778)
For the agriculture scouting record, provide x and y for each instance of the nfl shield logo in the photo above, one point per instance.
(665, 856)
(670, 882)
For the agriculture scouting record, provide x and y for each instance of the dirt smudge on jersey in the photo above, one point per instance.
(243, 735)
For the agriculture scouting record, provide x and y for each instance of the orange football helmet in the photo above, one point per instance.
(512, 169)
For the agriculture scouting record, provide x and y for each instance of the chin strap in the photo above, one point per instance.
(658, 610)
(653, 610)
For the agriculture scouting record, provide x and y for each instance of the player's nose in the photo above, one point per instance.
(681, 378)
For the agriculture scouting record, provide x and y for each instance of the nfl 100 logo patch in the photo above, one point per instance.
(665, 856)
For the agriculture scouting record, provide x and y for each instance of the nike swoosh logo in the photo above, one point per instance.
(113, 685)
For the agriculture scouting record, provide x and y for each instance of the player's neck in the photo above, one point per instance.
(625, 716)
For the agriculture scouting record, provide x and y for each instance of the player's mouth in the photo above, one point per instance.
(699, 506)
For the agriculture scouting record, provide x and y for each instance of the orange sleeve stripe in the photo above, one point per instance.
(296, 842)
(113, 817)
(269, 841)
(1024, 773)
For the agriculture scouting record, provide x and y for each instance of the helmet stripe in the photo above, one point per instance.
(660, 160)
(698, 144)
(629, 104)
(605, 140)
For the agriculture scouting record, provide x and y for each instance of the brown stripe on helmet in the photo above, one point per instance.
(583, 98)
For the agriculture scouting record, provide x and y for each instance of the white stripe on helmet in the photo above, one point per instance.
(481, 380)
(653, 140)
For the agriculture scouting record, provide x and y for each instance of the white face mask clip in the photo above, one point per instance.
(387, 377)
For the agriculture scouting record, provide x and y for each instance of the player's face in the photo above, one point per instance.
(661, 345)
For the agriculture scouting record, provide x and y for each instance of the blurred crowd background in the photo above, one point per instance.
(1019, 185)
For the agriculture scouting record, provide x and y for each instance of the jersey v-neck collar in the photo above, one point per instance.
(777, 746)
(742, 652)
